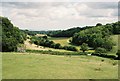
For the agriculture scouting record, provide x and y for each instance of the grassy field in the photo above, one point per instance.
(115, 48)
(44, 66)
(64, 41)
(34, 47)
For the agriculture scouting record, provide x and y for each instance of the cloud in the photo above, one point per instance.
(103, 5)
(58, 15)
(59, 0)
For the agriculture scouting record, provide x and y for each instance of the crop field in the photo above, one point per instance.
(45, 66)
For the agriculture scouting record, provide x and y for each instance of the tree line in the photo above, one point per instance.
(97, 37)
(44, 41)
(112, 27)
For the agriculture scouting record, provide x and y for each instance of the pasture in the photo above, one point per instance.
(115, 48)
(64, 41)
(45, 66)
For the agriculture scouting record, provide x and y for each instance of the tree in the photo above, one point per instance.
(100, 50)
(118, 54)
(57, 46)
(11, 36)
(98, 24)
(71, 48)
(45, 37)
(98, 36)
(84, 47)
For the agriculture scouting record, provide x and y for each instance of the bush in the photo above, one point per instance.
(57, 46)
(97, 36)
(104, 55)
(45, 37)
(54, 52)
(71, 48)
(118, 54)
(48, 43)
(11, 36)
(84, 47)
(100, 50)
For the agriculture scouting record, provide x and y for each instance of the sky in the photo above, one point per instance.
(58, 15)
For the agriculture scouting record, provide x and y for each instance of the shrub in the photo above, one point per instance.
(84, 47)
(100, 50)
(57, 46)
(118, 54)
(71, 48)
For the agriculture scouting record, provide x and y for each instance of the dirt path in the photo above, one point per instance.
(35, 47)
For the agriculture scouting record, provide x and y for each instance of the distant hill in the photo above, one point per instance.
(98, 36)
(67, 33)
(112, 27)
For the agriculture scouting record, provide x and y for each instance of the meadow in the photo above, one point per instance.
(45, 66)
(50, 66)
(64, 41)
(30, 55)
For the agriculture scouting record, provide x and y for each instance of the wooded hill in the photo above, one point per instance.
(112, 27)
(94, 36)
(11, 35)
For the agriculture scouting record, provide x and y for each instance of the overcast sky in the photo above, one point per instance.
(59, 15)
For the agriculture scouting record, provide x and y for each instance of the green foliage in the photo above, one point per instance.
(98, 24)
(57, 46)
(95, 37)
(84, 47)
(55, 52)
(65, 33)
(45, 37)
(11, 36)
(113, 28)
(71, 48)
(43, 41)
(31, 33)
(116, 27)
(118, 54)
(100, 50)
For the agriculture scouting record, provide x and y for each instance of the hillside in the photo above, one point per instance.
(11, 35)
(64, 33)
(112, 27)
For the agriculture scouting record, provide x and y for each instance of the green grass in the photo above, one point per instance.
(115, 48)
(0, 66)
(64, 41)
(44, 66)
